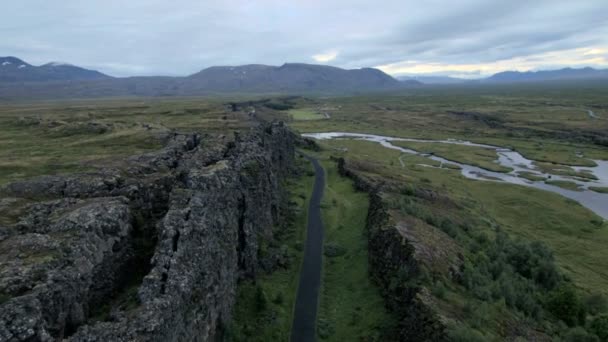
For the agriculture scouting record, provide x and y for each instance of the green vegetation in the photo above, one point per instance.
(305, 114)
(568, 185)
(602, 190)
(264, 307)
(472, 155)
(351, 308)
(543, 122)
(63, 137)
(502, 255)
(513, 264)
(530, 176)
(564, 170)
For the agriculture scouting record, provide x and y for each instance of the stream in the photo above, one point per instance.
(592, 200)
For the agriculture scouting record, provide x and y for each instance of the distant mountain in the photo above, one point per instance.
(432, 79)
(13, 69)
(548, 75)
(289, 77)
(66, 81)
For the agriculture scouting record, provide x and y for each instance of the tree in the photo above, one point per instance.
(565, 304)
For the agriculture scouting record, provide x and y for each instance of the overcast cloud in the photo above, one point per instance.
(468, 38)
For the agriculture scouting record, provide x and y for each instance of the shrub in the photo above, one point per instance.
(579, 334)
(599, 326)
(596, 304)
(465, 334)
(278, 299)
(565, 305)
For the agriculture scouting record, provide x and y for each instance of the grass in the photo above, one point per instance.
(568, 185)
(564, 170)
(72, 136)
(600, 189)
(573, 233)
(351, 308)
(530, 176)
(472, 155)
(279, 287)
(305, 114)
(543, 122)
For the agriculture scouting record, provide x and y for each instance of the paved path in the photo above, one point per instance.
(303, 328)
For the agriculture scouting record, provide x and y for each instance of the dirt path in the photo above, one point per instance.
(303, 328)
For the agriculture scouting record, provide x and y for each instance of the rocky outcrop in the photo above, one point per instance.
(396, 265)
(149, 252)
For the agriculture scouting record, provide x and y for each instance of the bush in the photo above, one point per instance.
(565, 305)
(599, 326)
(579, 334)
(465, 334)
(596, 304)
(438, 290)
(278, 299)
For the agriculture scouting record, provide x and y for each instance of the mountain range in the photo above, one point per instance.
(518, 76)
(19, 79)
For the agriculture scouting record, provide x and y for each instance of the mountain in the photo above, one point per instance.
(289, 77)
(66, 81)
(13, 69)
(548, 75)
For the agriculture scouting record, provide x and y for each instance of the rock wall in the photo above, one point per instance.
(150, 252)
(395, 267)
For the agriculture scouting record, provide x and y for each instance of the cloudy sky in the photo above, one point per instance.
(466, 38)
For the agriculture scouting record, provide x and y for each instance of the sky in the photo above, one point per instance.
(461, 38)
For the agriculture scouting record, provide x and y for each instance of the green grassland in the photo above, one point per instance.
(568, 185)
(472, 155)
(545, 123)
(603, 190)
(530, 176)
(305, 114)
(61, 137)
(351, 308)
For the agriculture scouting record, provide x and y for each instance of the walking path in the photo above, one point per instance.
(303, 328)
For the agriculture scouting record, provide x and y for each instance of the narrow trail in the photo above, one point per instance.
(303, 328)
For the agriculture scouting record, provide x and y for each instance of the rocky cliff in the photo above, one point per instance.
(149, 252)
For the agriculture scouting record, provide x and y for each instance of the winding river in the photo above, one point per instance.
(595, 201)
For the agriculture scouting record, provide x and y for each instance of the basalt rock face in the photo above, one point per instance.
(152, 252)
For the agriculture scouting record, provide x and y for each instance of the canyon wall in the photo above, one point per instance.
(151, 251)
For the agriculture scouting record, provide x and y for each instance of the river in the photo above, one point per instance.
(594, 201)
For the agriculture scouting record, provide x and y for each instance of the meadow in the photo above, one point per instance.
(71, 136)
